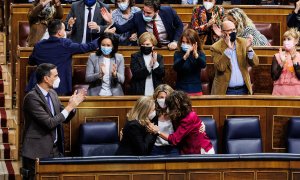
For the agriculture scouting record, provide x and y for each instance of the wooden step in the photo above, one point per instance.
(8, 136)
(10, 170)
(8, 118)
(2, 48)
(5, 73)
(8, 152)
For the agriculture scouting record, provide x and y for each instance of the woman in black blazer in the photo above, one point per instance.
(137, 140)
(147, 67)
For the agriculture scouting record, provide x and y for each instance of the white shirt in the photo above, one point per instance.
(165, 127)
(162, 32)
(149, 89)
(86, 13)
(105, 88)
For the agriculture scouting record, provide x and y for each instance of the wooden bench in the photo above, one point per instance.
(222, 167)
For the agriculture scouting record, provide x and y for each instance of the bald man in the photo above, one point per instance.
(231, 56)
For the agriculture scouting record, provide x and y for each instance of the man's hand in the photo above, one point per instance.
(133, 37)
(71, 21)
(227, 41)
(110, 30)
(76, 99)
(217, 30)
(106, 15)
(172, 46)
(93, 25)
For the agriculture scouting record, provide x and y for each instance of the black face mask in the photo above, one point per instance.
(232, 36)
(146, 50)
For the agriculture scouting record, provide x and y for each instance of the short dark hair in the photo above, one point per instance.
(54, 26)
(179, 105)
(155, 4)
(43, 70)
(114, 40)
(131, 3)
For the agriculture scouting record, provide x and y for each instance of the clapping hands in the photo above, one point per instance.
(76, 99)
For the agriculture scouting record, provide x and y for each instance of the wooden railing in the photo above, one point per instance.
(221, 167)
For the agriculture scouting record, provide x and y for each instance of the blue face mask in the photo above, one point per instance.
(89, 3)
(123, 6)
(106, 50)
(147, 18)
(185, 47)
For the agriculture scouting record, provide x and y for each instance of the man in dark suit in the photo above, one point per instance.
(84, 20)
(44, 115)
(163, 22)
(58, 50)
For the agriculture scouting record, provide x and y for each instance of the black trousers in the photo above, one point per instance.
(28, 169)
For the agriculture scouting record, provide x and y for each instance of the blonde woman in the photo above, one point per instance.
(245, 27)
(285, 70)
(137, 141)
(147, 67)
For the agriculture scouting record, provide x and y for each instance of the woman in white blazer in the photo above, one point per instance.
(105, 68)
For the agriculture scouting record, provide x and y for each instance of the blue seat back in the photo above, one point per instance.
(211, 130)
(98, 138)
(242, 135)
(293, 135)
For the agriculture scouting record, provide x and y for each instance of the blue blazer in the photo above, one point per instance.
(171, 21)
(189, 71)
(58, 51)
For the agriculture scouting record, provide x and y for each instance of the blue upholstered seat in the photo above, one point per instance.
(98, 139)
(242, 135)
(293, 135)
(211, 130)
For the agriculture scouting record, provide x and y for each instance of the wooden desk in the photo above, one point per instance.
(208, 167)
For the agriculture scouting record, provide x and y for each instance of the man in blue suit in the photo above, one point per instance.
(58, 50)
(163, 22)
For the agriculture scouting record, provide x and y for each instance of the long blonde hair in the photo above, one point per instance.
(141, 110)
(241, 19)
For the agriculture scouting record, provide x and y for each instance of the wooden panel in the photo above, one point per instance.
(114, 176)
(272, 175)
(295, 175)
(239, 175)
(205, 175)
(152, 176)
(49, 177)
(176, 176)
(79, 177)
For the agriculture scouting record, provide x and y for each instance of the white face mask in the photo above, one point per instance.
(123, 6)
(161, 102)
(152, 115)
(56, 83)
(208, 5)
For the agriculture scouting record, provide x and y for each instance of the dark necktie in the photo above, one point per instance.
(155, 32)
(88, 35)
(48, 99)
